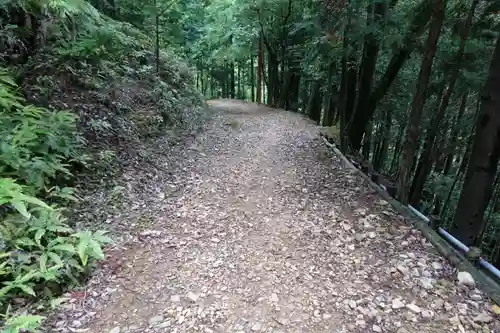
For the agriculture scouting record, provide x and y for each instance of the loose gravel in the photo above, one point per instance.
(259, 229)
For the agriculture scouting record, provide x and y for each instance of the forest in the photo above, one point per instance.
(408, 88)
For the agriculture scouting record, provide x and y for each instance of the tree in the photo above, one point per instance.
(482, 167)
(413, 129)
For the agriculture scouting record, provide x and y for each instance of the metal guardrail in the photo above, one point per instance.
(443, 233)
(458, 244)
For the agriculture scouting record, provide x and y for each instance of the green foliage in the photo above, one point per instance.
(36, 144)
(37, 246)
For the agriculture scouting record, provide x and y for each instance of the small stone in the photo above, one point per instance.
(352, 304)
(437, 266)
(180, 320)
(482, 318)
(397, 303)
(256, 327)
(192, 296)
(426, 283)
(413, 308)
(274, 298)
(115, 330)
(164, 325)
(403, 269)
(426, 314)
(175, 298)
(155, 320)
(282, 320)
(372, 234)
(376, 328)
(466, 279)
(360, 237)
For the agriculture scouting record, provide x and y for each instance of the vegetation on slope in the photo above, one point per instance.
(79, 89)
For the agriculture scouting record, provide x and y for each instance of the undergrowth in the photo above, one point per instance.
(88, 97)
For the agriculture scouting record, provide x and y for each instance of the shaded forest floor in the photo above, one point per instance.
(258, 229)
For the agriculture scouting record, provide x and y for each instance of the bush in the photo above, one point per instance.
(39, 251)
(36, 144)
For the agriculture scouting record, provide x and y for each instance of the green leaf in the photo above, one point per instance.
(35, 201)
(82, 250)
(21, 208)
(43, 262)
(64, 247)
(55, 258)
(39, 234)
(28, 290)
(24, 322)
(96, 250)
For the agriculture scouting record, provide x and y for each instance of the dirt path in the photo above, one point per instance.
(271, 236)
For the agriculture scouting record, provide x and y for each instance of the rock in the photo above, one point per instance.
(482, 318)
(376, 328)
(274, 298)
(164, 324)
(413, 308)
(426, 283)
(437, 266)
(397, 303)
(360, 237)
(175, 298)
(426, 314)
(372, 234)
(115, 330)
(153, 233)
(476, 297)
(466, 279)
(256, 327)
(155, 320)
(403, 269)
(192, 296)
(352, 304)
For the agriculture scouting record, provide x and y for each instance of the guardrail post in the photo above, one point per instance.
(435, 222)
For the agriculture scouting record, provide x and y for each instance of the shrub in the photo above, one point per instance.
(39, 251)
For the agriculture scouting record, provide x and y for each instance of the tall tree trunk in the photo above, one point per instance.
(397, 148)
(477, 188)
(413, 131)
(259, 71)
(240, 95)
(375, 16)
(426, 161)
(416, 28)
(232, 83)
(381, 156)
(293, 98)
(314, 105)
(252, 79)
(285, 90)
(452, 146)
(367, 142)
(329, 115)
